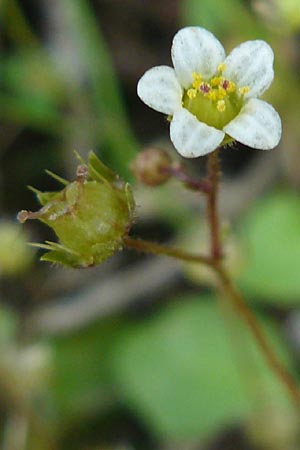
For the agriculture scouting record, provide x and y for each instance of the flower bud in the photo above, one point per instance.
(149, 166)
(90, 216)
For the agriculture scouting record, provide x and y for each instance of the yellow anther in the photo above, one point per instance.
(212, 95)
(221, 105)
(244, 90)
(221, 67)
(231, 87)
(191, 93)
(215, 81)
(221, 93)
(197, 80)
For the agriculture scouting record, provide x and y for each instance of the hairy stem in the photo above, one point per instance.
(159, 249)
(178, 172)
(210, 187)
(227, 286)
(213, 169)
(249, 318)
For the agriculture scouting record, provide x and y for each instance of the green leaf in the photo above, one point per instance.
(113, 127)
(30, 111)
(225, 16)
(271, 237)
(31, 74)
(81, 381)
(8, 327)
(178, 371)
(33, 93)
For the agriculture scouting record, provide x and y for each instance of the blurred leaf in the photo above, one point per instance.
(31, 73)
(119, 142)
(30, 111)
(271, 234)
(8, 327)
(32, 92)
(15, 24)
(81, 384)
(166, 202)
(223, 17)
(177, 371)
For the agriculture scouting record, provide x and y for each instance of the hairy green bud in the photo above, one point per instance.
(90, 215)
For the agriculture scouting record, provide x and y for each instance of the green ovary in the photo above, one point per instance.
(205, 109)
(216, 101)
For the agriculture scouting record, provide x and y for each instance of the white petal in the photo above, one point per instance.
(192, 138)
(258, 125)
(160, 89)
(195, 49)
(251, 64)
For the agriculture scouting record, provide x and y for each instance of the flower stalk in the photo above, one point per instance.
(213, 169)
(178, 172)
(214, 261)
(228, 287)
(142, 245)
(241, 307)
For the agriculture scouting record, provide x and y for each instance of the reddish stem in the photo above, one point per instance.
(159, 249)
(179, 173)
(213, 169)
(249, 318)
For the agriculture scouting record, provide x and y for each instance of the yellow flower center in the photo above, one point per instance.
(216, 101)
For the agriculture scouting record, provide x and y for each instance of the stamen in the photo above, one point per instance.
(215, 81)
(231, 87)
(197, 80)
(225, 84)
(221, 93)
(205, 88)
(244, 90)
(212, 95)
(221, 67)
(191, 93)
(221, 105)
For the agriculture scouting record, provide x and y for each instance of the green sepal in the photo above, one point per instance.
(59, 254)
(62, 258)
(130, 199)
(57, 177)
(98, 170)
(43, 197)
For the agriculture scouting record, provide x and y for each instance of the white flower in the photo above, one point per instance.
(211, 98)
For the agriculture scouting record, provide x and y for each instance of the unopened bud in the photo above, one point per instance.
(90, 216)
(150, 166)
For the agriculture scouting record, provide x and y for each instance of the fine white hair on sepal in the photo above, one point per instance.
(192, 138)
(251, 64)
(160, 89)
(258, 125)
(195, 49)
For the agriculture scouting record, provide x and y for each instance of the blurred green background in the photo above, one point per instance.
(139, 353)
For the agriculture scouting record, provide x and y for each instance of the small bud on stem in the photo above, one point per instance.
(149, 166)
